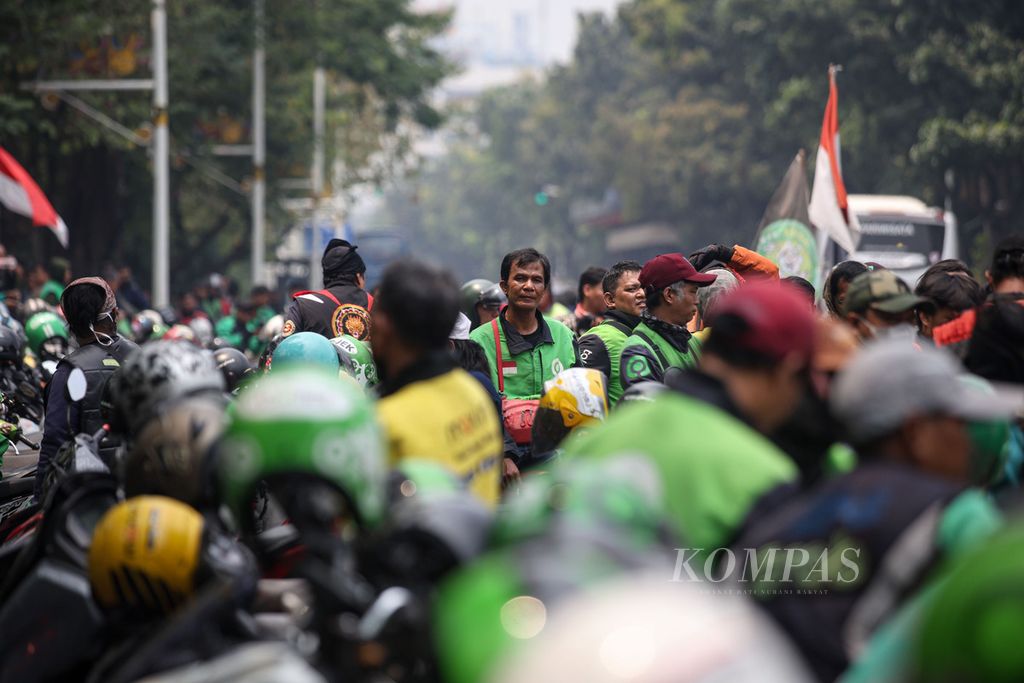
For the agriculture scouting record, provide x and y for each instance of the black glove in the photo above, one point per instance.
(702, 258)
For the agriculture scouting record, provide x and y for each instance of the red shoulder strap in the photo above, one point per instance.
(497, 352)
(327, 293)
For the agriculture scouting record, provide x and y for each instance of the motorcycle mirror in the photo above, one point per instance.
(76, 385)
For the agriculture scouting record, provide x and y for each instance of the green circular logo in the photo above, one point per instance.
(791, 246)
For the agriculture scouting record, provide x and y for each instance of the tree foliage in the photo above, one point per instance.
(691, 111)
(381, 70)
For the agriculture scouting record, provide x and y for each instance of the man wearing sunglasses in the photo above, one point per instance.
(91, 311)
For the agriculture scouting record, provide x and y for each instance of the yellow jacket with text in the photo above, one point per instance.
(436, 411)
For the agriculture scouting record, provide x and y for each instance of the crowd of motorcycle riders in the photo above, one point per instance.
(701, 472)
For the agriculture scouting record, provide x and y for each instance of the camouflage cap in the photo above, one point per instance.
(883, 291)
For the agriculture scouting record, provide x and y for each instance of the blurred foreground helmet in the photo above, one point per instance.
(577, 397)
(144, 554)
(47, 336)
(304, 431)
(151, 554)
(157, 374)
(433, 524)
(563, 533)
(203, 329)
(621, 497)
(184, 333)
(970, 630)
(647, 630)
(356, 360)
(305, 349)
(169, 455)
(235, 367)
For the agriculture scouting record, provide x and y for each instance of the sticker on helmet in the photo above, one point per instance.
(289, 327)
(352, 320)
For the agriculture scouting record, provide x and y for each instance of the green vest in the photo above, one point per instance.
(524, 374)
(614, 339)
(666, 354)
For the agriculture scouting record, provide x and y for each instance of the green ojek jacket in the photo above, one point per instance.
(713, 467)
(601, 349)
(524, 369)
(654, 347)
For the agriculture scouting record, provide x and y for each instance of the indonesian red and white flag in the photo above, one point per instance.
(20, 194)
(828, 209)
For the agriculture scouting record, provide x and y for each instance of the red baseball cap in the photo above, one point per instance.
(667, 269)
(770, 318)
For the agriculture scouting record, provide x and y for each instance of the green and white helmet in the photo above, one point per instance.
(304, 426)
(45, 326)
(356, 360)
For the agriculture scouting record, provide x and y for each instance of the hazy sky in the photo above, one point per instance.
(506, 32)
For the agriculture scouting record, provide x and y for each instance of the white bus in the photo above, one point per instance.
(900, 233)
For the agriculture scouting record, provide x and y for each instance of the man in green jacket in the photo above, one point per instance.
(661, 340)
(532, 348)
(601, 346)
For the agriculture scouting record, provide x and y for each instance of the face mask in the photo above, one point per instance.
(107, 339)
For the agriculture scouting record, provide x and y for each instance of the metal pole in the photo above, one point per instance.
(319, 96)
(161, 170)
(259, 150)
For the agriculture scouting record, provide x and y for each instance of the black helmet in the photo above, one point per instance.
(480, 291)
(234, 366)
(169, 455)
(12, 347)
(159, 373)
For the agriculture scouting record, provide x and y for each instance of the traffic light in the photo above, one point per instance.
(541, 198)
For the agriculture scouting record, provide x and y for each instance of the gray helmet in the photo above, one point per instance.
(158, 373)
(479, 291)
(203, 329)
(168, 457)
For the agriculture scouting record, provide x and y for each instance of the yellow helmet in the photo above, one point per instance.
(577, 397)
(145, 553)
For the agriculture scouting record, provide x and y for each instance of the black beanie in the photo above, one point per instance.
(340, 260)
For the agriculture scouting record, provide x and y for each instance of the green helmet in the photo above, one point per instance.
(569, 531)
(970, 631)
(356, 360)
(52, 292)
(42, 327)
(307, 425)
(622, 495)
(305, 348)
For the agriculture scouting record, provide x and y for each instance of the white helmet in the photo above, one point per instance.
(649, 630)
(203, 329)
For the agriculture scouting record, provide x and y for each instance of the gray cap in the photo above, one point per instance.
(890, 381)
